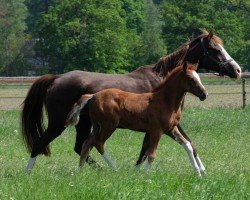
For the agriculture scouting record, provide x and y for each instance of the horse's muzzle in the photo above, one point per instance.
(203, 96)
(232, 70)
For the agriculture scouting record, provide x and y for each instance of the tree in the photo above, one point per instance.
(12, 36)
(153, 45)
(135, 15)
(86, 34)
(35, 11)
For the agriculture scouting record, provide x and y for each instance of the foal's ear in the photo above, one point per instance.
(210, 35)
(195, 66)
(185, 66)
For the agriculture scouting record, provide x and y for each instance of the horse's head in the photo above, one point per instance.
(192, 82)
(207, 49)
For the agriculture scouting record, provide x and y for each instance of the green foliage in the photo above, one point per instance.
(35, 11)
(184, 19)
(88, 35)
(12, 36)
(111, 35)
(153, 46)
(134, 13)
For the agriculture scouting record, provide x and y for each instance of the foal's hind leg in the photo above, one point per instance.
(100, 139)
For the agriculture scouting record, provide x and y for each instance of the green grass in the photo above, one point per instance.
(222, 137)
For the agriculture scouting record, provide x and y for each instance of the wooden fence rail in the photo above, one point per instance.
(27, 81)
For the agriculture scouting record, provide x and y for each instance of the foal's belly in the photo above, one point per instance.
(134, 124)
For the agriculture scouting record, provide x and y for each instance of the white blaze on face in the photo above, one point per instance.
(228, 57)
(197, 77)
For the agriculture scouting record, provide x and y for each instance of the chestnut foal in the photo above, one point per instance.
(155, 113)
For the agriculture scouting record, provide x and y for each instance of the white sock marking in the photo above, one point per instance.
(200, 164)
(110, 162)
(30, 165)
(147, 164)
(188, 147)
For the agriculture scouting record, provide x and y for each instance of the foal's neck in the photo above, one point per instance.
(172, 93)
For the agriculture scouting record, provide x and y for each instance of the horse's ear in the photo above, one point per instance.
(210, 35)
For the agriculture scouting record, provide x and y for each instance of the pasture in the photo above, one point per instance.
(219, 128)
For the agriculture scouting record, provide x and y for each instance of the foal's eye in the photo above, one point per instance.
(191, 80)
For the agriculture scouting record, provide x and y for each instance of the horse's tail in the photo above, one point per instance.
(73, 116)
(32, 112)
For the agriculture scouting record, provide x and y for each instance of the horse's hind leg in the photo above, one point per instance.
(196, 156)
(56, 125)
(88, 144)
(83, 129)
(50, 134)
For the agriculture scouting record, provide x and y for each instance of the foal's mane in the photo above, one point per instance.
(169, 76)
(166, 63)
(173, 73)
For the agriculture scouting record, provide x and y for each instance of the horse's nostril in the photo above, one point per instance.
(203, 96)
(238, 71)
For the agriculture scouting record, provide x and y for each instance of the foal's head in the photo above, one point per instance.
(191, 81)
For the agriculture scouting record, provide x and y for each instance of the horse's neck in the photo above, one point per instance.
(169, 62)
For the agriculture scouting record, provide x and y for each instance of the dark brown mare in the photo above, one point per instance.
(59, 92)
(155, 113)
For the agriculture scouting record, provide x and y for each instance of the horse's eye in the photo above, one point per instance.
(211, 45)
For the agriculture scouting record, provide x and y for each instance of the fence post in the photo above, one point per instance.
(244, 93)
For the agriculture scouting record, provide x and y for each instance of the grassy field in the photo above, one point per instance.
(222, 136)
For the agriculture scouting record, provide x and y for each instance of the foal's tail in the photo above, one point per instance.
(73, 116)
(32, 112)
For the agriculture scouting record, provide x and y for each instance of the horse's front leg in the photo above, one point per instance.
(196, 156)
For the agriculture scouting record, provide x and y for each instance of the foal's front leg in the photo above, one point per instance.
(196, 156)
(154, 138)
(188, 147)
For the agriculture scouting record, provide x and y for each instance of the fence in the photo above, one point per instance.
(223, 92)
